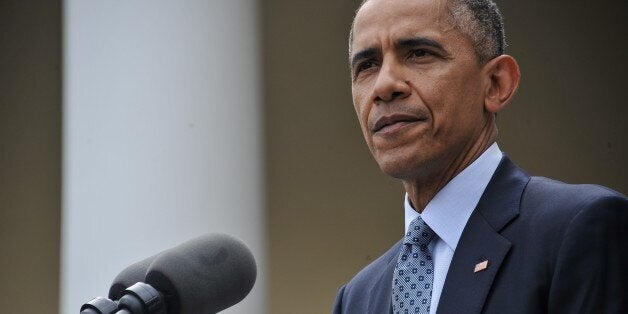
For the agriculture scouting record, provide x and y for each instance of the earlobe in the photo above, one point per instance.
(503, 79)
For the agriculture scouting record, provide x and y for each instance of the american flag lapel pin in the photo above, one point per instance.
(480, 266)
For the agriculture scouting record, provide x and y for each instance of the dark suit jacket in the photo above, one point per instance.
(551, 248)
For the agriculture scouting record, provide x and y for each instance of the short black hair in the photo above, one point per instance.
(480, 20)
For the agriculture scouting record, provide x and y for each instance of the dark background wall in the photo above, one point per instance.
(568, 120)
(30, 155)
(331, 211)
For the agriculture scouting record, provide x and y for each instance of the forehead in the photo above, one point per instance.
(382, 20)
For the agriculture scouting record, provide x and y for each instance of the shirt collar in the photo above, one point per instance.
(447, 213)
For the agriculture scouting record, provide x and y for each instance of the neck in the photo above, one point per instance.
(421, 190)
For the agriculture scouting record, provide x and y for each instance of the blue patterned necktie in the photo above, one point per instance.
(414, 273)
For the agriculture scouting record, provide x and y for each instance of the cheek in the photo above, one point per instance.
(454, 102)
(462, 123)
(363, 114)
(362, 110)
(430, 91)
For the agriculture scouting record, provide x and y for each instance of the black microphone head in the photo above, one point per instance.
(204, 275)
(129, 276)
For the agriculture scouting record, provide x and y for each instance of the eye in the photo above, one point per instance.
(419, 53)
(364, 66)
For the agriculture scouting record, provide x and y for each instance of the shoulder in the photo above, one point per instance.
(556, 206)
(587, 226)
(557, 201)
(364, 279)
(553, 214)
(552, 191)
(370, 287)
(579, 206)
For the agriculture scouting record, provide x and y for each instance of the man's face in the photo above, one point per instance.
(418, 89)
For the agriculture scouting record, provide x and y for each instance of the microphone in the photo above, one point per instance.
(129, 276)
(204, 275)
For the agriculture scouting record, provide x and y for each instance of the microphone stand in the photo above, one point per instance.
(140, 298)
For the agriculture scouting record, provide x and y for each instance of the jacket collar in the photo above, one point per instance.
(381, 293)
(465, 291)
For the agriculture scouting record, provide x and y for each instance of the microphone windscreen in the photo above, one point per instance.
(204, 275)
(129, 276)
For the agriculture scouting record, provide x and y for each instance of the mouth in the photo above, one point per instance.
(391, 123)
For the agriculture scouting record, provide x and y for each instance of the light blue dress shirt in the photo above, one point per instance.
(448, 212)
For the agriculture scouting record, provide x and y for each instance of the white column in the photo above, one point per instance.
(162, 135)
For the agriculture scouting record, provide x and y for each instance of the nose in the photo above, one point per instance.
(390, 84)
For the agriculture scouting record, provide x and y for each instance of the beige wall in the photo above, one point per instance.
(30, 155)
(330, 209)
(320, 176)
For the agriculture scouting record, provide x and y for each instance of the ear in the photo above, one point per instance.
(502, 75)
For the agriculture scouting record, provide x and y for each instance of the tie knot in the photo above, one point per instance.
(419, 233)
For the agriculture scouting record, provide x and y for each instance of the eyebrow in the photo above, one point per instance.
(364, 54)
(404, 43)
(418, 41)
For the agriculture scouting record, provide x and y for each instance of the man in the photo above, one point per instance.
(428, 78)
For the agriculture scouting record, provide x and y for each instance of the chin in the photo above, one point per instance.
(400, 168)
(410, 164)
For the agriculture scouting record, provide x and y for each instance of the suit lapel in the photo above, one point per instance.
(381, 294)
(465, 290)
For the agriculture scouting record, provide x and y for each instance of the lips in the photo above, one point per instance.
(397, 119)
